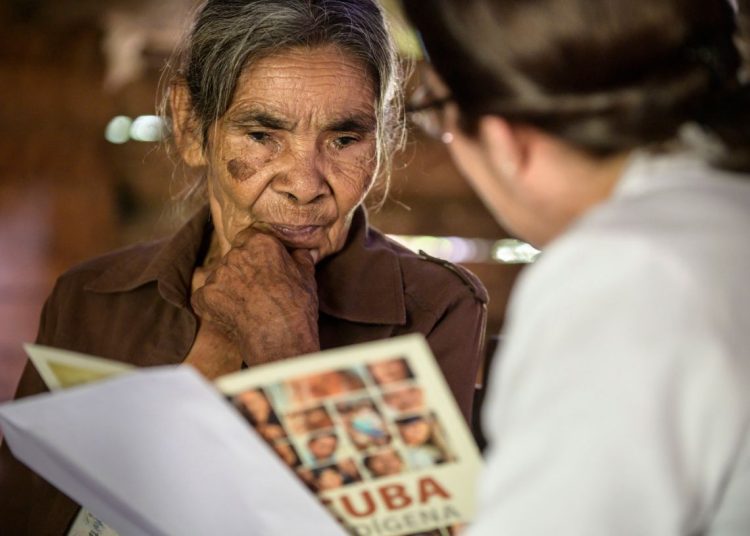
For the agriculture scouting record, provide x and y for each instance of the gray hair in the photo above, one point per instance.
(227, 35)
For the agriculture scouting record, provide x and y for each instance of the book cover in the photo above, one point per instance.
(371, 429)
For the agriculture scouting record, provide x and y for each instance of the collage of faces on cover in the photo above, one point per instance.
(350, 425)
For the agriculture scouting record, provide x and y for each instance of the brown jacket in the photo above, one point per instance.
(133, 305)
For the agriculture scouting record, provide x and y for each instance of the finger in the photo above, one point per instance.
(254, 235)
(304, 258)
(243, 236)
(197, 302)
(253, 247)
(212, 307)
(306, 265)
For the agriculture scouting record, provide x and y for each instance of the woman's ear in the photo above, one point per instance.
(184, 126)
(503, 148)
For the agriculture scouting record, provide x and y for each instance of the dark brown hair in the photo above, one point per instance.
(606, 75)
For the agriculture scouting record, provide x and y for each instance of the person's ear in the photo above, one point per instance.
(504, 149)
(185, 126)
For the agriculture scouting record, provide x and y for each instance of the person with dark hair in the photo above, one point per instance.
(390, 371)
(384, 462)
(255, 407)
(287, 453)
(616, 137)
(287, 114)
(322, 447)
(423, 440)
(363, 423)
(335, 476)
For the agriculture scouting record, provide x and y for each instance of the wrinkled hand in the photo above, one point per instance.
(262, 298)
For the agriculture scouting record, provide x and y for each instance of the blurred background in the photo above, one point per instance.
(67, 68)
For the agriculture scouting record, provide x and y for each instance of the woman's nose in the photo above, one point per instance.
(303, 180)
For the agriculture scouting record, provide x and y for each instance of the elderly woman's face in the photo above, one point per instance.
(294, 154)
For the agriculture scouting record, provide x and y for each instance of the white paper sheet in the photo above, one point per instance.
(160, 452)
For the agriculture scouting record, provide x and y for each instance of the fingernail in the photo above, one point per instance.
(314, 253)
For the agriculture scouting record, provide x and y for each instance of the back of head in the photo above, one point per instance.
(606, 75)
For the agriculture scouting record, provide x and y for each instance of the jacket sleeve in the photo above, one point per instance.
(29, 504)
(456, 334)
(457, 340)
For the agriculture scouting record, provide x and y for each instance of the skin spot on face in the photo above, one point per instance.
(240, 170)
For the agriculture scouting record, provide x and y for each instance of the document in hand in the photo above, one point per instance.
(371, 429)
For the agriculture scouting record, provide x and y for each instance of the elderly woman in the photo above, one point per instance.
(288, 111)
(616, 135)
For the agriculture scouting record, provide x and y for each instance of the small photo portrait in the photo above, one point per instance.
(363, 423)
(322, 447)
(390, 371)
(424, 441)
(385, 462)
(327, 384)
(255, 407)
(335, 476)
(405, 400)
(287, 453)
(309, 420)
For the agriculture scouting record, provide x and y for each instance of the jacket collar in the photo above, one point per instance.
(168, 262)
(361, 283)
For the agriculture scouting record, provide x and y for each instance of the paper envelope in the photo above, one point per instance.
(160, 452)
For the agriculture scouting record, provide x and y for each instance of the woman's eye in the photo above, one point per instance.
(260, 137)
(344, 141)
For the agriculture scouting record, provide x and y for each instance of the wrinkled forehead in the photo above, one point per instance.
(298, 83)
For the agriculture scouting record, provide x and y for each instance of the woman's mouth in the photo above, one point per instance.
(298, 236)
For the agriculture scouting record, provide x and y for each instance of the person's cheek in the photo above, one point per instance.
(354, 170)
(243, 163)
(221, 209)
(350, 182)
(246, 200)
(241, 169)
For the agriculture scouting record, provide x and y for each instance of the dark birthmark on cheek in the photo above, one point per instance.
(240, 170)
